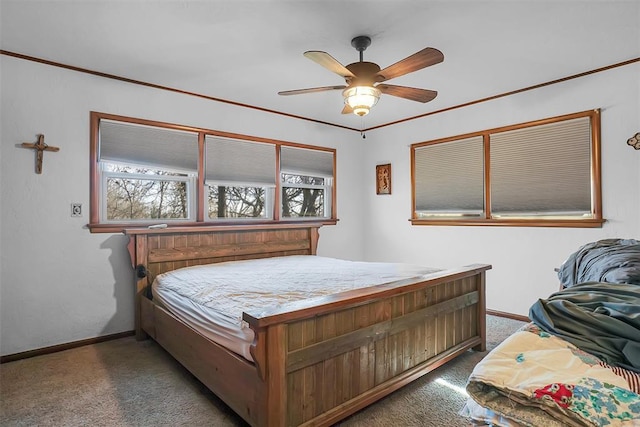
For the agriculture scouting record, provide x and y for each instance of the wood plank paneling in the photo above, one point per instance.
(311, 376)
(380, 335)
(429, 337)
(365, 352)
(450, 326)
(328, 330)
(409, 349)
(333, 344)
(173, 253)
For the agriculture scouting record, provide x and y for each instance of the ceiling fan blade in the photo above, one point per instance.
(411, 93)
(347, 109)
(419, 60)
(328, 62)
(311, 90)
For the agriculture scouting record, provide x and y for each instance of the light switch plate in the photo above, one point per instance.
(76, 209)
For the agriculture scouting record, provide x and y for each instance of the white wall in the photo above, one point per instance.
(58, 282)
(523, 258)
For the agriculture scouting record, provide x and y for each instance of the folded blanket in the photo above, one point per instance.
(537, 379)
(600, 318)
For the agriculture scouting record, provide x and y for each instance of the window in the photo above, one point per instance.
(240, 178)
(137, 193)
(145, 173)
(306, 179)
(446, 188)
(148, 173)
(543, 173)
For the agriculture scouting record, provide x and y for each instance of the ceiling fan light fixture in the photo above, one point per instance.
(361, 98)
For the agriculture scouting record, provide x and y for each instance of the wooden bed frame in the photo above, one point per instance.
(316, 362)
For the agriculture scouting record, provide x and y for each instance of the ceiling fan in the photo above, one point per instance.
(365, 79)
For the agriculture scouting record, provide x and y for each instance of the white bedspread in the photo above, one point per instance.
(211, 298)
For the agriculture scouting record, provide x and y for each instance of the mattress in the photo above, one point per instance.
(211, 298)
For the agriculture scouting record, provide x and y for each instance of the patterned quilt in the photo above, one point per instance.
(537, 379)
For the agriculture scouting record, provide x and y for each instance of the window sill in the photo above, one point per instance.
(534, 222)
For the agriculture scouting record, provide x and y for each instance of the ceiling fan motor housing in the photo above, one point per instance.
(365, 73)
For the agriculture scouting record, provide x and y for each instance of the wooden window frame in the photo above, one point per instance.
(96, 226)
(594, 221)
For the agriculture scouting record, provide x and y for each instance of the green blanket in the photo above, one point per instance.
(600, 318)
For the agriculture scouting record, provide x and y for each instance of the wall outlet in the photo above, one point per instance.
(76, 209)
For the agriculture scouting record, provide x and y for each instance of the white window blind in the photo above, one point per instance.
(306, 162)
(235, 161)
(449, 177)
(542, 170)
(122, 142)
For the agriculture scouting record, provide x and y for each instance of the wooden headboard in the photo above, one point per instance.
(155, 251)
(166, 249)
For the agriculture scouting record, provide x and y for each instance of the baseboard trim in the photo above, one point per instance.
(508, 315)
(62, 347)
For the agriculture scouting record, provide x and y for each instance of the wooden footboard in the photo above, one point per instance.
(327, 359)
(315, 361)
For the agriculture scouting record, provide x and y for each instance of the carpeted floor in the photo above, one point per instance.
(128, 383)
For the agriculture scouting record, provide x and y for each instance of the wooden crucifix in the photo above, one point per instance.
(40, 148)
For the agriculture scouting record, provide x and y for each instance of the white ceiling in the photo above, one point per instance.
(246, 51)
